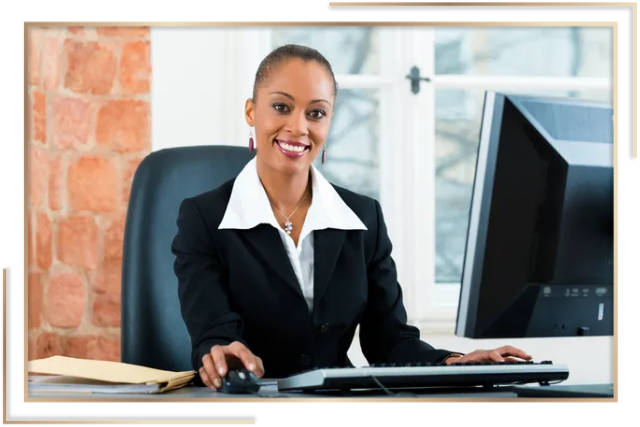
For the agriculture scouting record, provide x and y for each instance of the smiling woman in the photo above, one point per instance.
(278, 267)
(291, 109)
(298, 124)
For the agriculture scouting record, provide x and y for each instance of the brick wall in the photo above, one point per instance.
(90, 127)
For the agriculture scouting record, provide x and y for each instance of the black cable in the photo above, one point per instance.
(386, 390)
(389, 392)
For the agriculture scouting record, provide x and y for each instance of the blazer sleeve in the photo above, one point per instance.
(385, 336)
(201, 274)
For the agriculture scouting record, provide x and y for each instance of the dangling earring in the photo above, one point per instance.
(323, 154)
(251, 144)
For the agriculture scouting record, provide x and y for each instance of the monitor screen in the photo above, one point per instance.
(539, 255)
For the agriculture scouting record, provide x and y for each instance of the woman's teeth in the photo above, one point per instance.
(291, 151)
(294, 148)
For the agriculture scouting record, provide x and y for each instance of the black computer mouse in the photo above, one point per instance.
(240, 381)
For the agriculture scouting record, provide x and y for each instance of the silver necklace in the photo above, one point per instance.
(287, 225)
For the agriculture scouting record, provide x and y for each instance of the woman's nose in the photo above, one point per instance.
(297, 124)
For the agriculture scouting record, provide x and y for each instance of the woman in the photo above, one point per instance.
(277, 267)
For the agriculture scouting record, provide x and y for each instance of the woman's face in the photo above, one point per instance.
(292, 115)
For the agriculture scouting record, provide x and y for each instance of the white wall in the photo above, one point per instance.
(201, 78)
(200, 84)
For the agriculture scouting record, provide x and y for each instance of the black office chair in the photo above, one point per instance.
(153, 332)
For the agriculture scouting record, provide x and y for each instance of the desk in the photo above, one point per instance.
(272, 392)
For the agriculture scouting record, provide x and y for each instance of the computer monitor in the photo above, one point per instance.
(539, 252)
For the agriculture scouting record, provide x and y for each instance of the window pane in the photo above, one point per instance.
(458, 115)
(352, 147)
(350, 50)
(556, 51)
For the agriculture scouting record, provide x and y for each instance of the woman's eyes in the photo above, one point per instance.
(281, 108)
(315, 114)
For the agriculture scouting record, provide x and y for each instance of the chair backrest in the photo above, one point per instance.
(153, 332)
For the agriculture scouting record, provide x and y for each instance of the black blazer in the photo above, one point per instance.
(239, 285)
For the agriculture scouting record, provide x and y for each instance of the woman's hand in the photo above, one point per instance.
(222, 358)
(502, 354)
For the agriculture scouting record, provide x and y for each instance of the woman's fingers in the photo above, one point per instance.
(205, 377)
(247, 358)
(260, 371)
(216, 364)
(219, 360)
(508, 350)
(210, 372)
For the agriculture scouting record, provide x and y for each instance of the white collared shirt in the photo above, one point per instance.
(249, 206)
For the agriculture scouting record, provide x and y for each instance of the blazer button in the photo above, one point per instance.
(304, 360)
(324, 328)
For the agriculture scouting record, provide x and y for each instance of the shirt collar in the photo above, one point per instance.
(249, 205)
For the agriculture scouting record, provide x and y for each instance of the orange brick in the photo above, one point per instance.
(124, 126)
(43, 240)
(78, 241)
(31, 246)
(114, 238)
(66, 299)
(56, 184)
(94, 347)
(107, 293)
(76, 30)
(106, 309)
(38, 176)
(123, 31)
(108, 277)
(32, 346)
(39, 117)
(71, 124)
(135, 67)
(130, 168)
(91, 67)
(50, 63)
(35, 39)
(93, 184)
(35, 299)
(48, 344)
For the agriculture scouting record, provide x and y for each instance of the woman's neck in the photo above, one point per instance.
(285, 192)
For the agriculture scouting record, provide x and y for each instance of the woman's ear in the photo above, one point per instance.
(249, 111)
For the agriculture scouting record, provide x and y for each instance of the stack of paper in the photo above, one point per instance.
(71, 375)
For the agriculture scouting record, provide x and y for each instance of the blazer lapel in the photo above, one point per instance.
(267, 243)
(327, 247)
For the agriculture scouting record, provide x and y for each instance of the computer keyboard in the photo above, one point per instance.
(420, 375)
